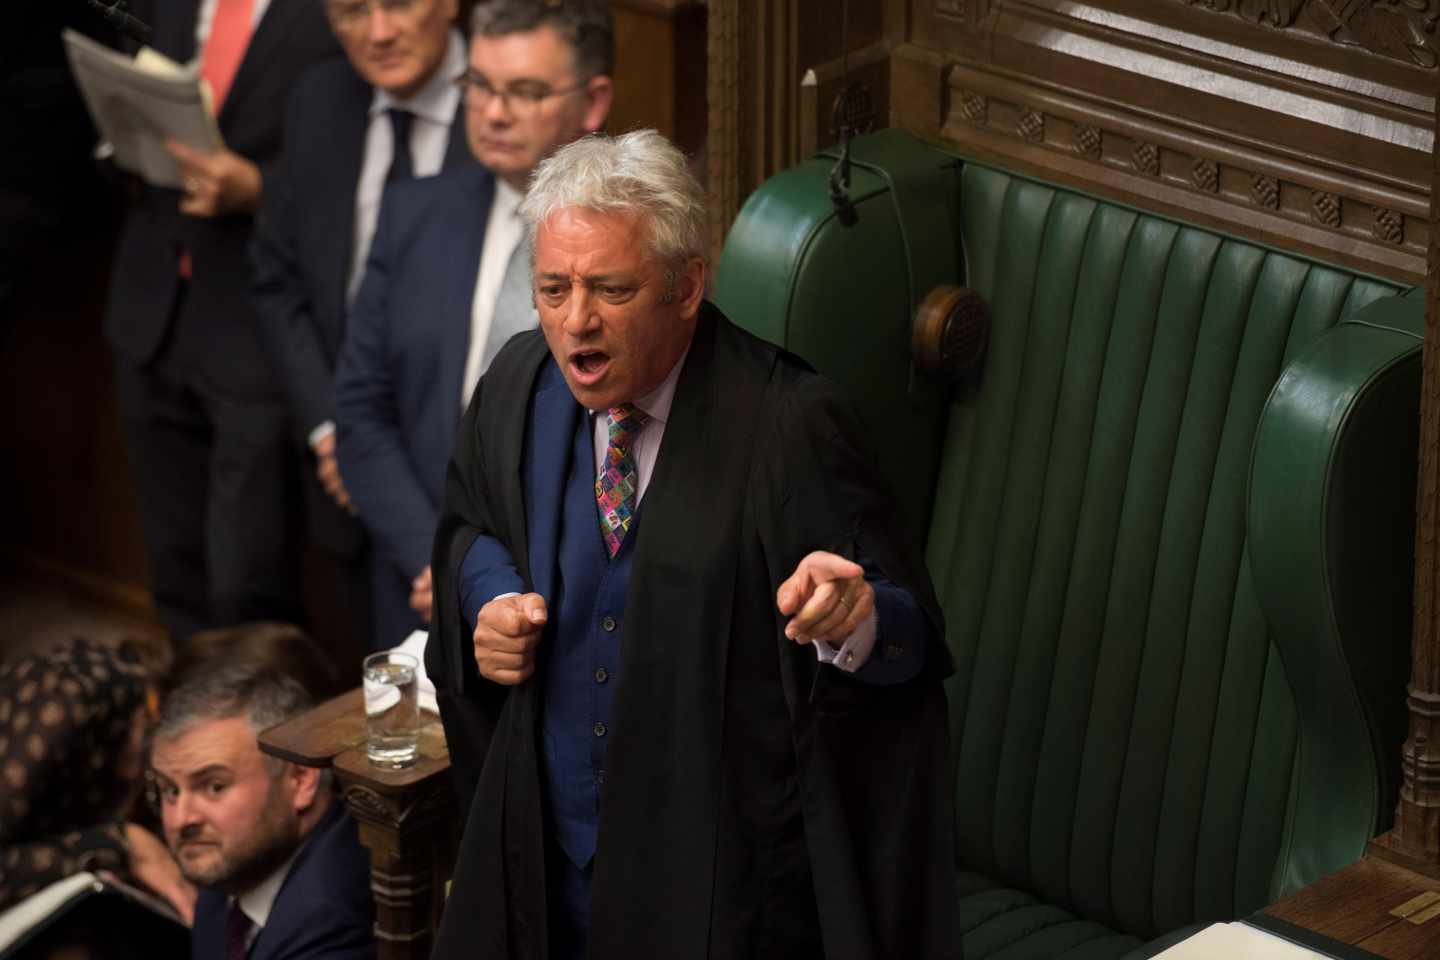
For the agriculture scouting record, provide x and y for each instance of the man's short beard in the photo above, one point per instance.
(241, 869)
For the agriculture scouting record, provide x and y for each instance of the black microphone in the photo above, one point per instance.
(118, 16)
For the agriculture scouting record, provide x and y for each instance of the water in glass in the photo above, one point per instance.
(391, 710)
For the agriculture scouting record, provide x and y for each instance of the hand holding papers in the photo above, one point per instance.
(141, 104)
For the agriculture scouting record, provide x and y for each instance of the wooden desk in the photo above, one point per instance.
(1377, 906)
(407, 817)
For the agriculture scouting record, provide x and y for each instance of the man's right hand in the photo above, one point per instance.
(507, 634)
(152, 864)
(327, 470)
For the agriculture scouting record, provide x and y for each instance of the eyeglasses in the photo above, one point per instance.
(521, 100)
(351, 13)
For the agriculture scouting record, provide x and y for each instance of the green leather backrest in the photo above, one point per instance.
(1126, 732)
(1127, 743)
(843, 297)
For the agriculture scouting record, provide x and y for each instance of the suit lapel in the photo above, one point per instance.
(469, 214)
(553, 420)
(352, 123)
(175, 36)
(267, 40)
(457, 148)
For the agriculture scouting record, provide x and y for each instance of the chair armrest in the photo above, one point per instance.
(1330, 526)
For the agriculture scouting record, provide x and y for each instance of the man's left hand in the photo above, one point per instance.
(216, 182)
(422, 596)
(826, 598)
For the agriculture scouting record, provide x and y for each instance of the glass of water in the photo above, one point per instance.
(392, 712)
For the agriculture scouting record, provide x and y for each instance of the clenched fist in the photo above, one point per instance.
(507, 633)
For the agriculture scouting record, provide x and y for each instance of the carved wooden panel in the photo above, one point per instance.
(1400, 29)
(1206, 177)
(1295, 122)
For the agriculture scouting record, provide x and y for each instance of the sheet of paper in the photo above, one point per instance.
(1237, 941)
(21, 917)
(140, 103)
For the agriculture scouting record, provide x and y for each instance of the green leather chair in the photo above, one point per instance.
(1170, 527)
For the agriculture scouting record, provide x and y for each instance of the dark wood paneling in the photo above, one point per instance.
(660, 69)
(1213, 111)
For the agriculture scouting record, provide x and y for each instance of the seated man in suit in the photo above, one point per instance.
(276, 857)
(444, 287)
(698, 667)
(387, 112)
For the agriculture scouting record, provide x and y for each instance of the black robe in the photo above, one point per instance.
(738, 766)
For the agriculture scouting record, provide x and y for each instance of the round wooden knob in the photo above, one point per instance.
(951, 333)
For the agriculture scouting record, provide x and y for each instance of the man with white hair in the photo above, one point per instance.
(671, 583)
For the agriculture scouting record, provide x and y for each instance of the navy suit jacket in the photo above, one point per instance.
(397, 386)
(324, 908)
(144, 282)
(305, 237)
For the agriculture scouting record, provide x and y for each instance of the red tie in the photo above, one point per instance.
(237, 932)
(225, 47)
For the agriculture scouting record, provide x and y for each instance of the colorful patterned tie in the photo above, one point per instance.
(617, 489)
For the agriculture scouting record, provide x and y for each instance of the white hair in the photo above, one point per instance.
(639, 173)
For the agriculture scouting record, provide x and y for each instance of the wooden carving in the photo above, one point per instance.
(1402, 29)
(1325, 207)
(1277, 13)
(1265, 191)
(1399, 29)
(1031, 125)
(1205, 174)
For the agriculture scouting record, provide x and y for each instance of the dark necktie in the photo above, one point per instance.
(617, 489)
(237, 931)
(400, 159)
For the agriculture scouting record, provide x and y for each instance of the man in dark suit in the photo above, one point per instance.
(205, 425)
(277, 859)
(444, 288)
(345, 119)
(683, 640)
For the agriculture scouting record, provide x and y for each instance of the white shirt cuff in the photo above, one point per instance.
(855, 651)
(320, 433)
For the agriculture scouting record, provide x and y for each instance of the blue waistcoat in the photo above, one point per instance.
(582, 664)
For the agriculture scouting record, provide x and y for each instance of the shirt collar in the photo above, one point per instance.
(507, 199)
(257, 902)
(656, 403)
(439, 98)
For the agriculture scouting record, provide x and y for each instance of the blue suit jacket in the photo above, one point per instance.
(305, 236)
(324, 909)
(303, 244)
(397, 385)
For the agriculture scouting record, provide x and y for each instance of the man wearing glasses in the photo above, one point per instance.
(447, 281)
(390, 111)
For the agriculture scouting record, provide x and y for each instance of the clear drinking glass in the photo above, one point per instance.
(392, 712)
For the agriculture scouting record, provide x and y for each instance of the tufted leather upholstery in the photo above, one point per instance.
(1168, 708)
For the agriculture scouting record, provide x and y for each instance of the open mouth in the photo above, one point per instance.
(589, 365)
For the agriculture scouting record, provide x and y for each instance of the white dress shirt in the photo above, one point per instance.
(645, 448)
(503, 231)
